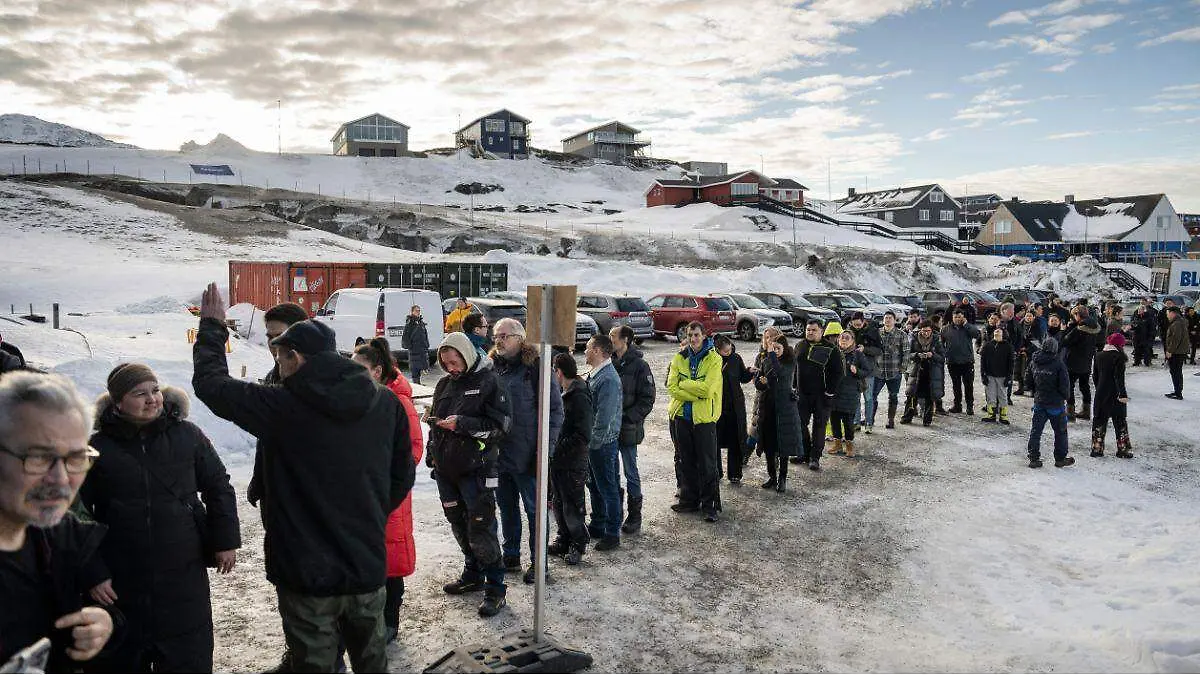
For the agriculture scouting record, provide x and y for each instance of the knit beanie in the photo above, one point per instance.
(125, 377)
(460, 343)
(1116, 340)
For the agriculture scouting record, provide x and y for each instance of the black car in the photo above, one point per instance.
(800, 307)
(1020, 295)
(843, 306)
(911, 300)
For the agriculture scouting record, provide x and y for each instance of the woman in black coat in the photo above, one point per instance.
(731, 425)
(416, 341)
(779, 425)
(144, 488)
(1108, 374)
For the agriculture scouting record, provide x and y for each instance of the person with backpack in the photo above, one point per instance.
(1051, 386)
(1112, 399)
(996, 362)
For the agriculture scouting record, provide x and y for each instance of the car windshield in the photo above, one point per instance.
(632, 305)
(875, 297)
(797, 300)
(497, 312)
(748, 301)
(848, 301)
(988, 297)
(718, 304)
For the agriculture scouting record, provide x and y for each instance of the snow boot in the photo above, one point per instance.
(1071, 414)
(493, 602)
(1086, 412)
(910, 410)
(512, 563)
(956, 408)
(462, 585)
(1035, 463)
(559, 546)
(1064, 462)
(927, 414)
(891, 423)
(633, 521)
(575, 554)
(1004, 416)
(1097, 443)
(849, 448)
(837, 447)
(970, 408)
(993, 417)
(1124, 447)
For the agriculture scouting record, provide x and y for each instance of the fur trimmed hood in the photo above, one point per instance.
(176, 404)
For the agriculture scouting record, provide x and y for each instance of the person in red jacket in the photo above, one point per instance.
(376, 357)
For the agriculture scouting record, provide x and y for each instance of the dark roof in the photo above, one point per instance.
(498, 113)
(788, 184)
(989, 198)
(705, 181)
(339, 129)
(1042, 220)
(899, 198)
(601, 126)
(1140, 206)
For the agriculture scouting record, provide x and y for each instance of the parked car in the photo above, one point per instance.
(911, 300)
(585, 326)
(798, 306)
(873, 309)
(1021, 295)
(844, 306)
(610, 311)
(874, 300)
(985, 304)
(938, 300)
(366, 313)
(753, 317)
(673, 311)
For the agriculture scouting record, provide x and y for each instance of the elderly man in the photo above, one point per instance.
(518, 365)
(48, 559)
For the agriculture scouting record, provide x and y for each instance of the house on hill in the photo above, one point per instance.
(924, 208)
(706, 168)
(503, 134)
(734, 188)
(1140, 229)
(976, 211)
(372, 136)
(785, 190)
(613, 141)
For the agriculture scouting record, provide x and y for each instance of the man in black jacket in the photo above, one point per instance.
(1144, 326)
(275, 320)
(10, 357)
(637, 400)
(959, 339)
(48, 559)
(469, 416)
(569, 464)
(338, 460)
(1081, 341)
(819, 369)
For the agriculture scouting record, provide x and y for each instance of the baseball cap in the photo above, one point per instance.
(307, 337)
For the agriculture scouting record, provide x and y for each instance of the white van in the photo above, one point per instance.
(367, 313)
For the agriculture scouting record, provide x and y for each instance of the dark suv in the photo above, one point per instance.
(609, 311)
(672, 312)
(844, 306)
(798, 306)
(936, 302)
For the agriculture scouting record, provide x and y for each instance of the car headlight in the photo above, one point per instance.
(763, 322)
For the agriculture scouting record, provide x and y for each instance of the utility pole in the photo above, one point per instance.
(828, 179)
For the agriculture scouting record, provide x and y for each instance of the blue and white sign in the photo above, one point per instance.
(212, 169)
(1185, 276)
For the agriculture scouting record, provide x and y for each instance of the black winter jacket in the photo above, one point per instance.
(869, 338)
(153, 550)
(337, 462)
(571, 450)
(959, 343)
(819, 369)
(1108, 374)
(416, 341)
(68, 561)
(10, 358)
(731, 425)
(1080, 341)
(1144, 325)
(479, 402)
(637, 395)
(1051, 383)
(998, 359)
(850, 387)
(778, 418)
(935, 365)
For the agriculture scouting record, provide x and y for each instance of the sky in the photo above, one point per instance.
(1027, 99)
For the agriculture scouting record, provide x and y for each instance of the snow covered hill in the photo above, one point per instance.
(25, 129)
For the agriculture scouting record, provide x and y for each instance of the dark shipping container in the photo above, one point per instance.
(450, 280)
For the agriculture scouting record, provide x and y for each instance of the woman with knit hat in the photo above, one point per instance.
(161, 535)
(1108, 374)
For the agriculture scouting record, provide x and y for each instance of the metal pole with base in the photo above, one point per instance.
(528, 651)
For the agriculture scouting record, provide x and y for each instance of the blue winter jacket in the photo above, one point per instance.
(518, 376)
(1052, 384)
(605, 386)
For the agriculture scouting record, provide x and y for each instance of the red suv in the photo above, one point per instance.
(672, 312)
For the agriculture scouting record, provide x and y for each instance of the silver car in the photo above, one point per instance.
(753, 317)
(585, 326)
(609, 310)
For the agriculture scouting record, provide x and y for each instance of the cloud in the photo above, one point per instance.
(1015, 17)
(1179, 91)
(1167, 107)
(1061, 67)
(935, 135)
(1023, 120)
(987, 75)
(1185, 35)
(1070, 134)
(939, 95)
(1106, 48)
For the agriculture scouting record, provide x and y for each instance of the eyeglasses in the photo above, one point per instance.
(39, 464)
(501, 337)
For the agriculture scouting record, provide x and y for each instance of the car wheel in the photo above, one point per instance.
(745, 331)
(638, 341)
(681, 332)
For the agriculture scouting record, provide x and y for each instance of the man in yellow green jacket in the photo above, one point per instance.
(694, 382)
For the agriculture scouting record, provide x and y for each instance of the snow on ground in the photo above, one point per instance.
(1078, 276)
(29, 129)
(935, 550)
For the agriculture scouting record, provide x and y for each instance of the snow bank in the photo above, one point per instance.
(163, 304)
(1112, 225)
(1078, 276)
(29, 129)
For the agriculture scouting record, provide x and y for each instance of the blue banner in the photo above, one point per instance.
(212, 169)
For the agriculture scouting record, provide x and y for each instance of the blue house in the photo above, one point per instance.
(503, 134)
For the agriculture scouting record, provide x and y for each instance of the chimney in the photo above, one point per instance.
(1069, 199)
(851, 193)
(1014, 199)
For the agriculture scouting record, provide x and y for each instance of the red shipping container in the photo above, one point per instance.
(308, 284)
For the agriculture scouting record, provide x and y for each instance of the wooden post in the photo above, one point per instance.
(56, 316)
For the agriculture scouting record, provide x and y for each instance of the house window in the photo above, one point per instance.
(924, 215)
(496, 126)
(936, 197)
(1003, 226)
(889, 216)
(516, 144)
(1164, 222)
(947, 215)
(516, 128)
(744, 189)
(491, 141)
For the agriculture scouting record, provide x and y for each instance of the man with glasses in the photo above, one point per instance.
(48, 559)
(518, 366)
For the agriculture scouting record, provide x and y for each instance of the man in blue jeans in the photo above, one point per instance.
(518, 364)
(1051, 384)
(604, 481)
(637, 400)
(889, 367)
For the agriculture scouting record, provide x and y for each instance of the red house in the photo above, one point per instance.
(731, 188)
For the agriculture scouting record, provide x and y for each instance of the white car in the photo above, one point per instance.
(366, 313)
(753, 317)
(585, 326)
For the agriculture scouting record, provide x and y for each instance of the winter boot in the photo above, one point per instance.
(512, 563)
(462, 585)
(610, 543)
(970, 408)
(1086, 412)
(493, 602)
(575, 554)
(1124, 447)
(837, 447)
(559, 546)
(987, 410)
(1064, 462)
(910, 410)
(927, 414)
(1035, 463)
(1004, 416)
(956, 408)
(992, 417)
(633, 521)
(891, 423)
(849, 448)
(1071, 414)
(1097, 442)
(940, 410)
(781, 484)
